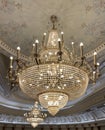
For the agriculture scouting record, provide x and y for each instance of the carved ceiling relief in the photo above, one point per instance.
(87, 117)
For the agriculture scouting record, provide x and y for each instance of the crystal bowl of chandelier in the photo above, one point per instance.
(53, 87)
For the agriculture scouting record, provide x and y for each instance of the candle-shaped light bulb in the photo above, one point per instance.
(94, 75)
(18, 52)
(11, 62)
(95, 53)
(62, 33)
(72, 43)
(43, 41)
(33, 45)
(81, 44)
(44, 34)
(81, 49)
(59, 42)
(94, 72)
(98, 72)
(36, 42)
(18, 48)
(33, 48)
(98, 64)
(11, 58)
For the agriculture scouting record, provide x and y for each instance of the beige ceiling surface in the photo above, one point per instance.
(23, 20)
(81, 20)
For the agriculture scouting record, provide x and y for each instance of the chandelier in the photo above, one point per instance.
(35, 116)
(53, 76)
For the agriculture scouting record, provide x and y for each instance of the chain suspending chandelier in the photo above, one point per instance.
(53, 76)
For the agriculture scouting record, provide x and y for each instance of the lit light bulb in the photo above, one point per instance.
(70, 77)
(60, 97)
(59, 39)
(11, 62)
(78, 81)
(41, 74)
(61, 70)
(50, 53)
(81, 44)
(98, 64)
(62, 33)
(44, 34)
(81, 49)
(95, 53)
(18, 48)
(30, 84)
(40, 77)
(72, 43)
(47, 87)
(11, 57)
(36, 41)
(62, 76)
(33, 45)
(94, 72)
(65, 85)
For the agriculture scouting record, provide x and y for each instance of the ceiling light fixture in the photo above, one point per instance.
(35, 116)
(53, 76)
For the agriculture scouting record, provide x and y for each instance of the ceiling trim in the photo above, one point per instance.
(5, 49)
(86, 117)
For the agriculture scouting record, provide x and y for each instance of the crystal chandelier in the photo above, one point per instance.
(52, 75)
(35, 116)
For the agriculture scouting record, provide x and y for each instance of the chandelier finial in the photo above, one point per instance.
(53, 20)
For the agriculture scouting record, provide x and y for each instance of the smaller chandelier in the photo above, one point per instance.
(35, 117)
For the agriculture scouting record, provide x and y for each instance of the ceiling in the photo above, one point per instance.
(21, 21)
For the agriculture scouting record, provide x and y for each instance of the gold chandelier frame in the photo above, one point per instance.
(53, 72)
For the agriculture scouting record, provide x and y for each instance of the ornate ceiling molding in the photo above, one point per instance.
(87, 117)
(13, 52)
(98, 49)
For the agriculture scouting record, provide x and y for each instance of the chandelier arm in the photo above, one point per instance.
(36, 61)
(83, 59)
